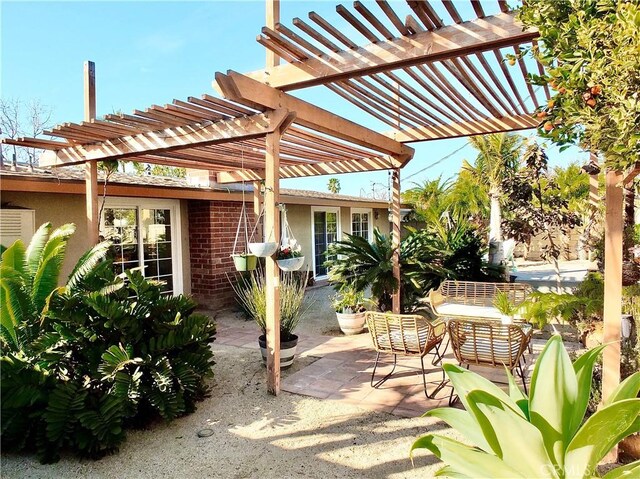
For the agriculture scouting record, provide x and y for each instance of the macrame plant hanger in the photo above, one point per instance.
(289, 255)
(270, 244)
(243, 261)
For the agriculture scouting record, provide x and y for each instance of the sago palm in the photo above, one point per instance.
(28, 276)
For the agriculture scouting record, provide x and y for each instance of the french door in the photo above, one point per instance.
(325, 229)
(145, 235)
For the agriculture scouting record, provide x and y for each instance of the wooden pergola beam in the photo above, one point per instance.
(170, 139)
(482, 34)
(242, 89)
(467, 128)
(312, 169)
(631, 174)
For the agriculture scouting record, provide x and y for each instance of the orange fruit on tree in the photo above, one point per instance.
(548, 126)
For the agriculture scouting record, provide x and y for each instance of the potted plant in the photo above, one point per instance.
(263, 250)
(504, 305)
(289, 258)
(244, 261)
(251, 294)
(348, 303)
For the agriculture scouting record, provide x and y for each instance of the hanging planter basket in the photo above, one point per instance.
(262, 250)
(244, 262)
(291, 264)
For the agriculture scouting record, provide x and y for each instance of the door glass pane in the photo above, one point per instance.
(155, 226)
(320, 239)
(120, 226)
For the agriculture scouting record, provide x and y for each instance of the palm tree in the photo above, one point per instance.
(469, 196)
(334, 185)
(498, 155)
(428, 198)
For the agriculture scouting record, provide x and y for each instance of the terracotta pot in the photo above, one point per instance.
(351, 323)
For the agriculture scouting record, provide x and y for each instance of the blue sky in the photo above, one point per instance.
(151, 52)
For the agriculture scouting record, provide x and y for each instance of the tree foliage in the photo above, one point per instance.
(590, 50)
(333, 185)
(447, 248)
(82, 362)
(536, 204)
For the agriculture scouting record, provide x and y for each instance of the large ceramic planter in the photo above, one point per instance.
(351, 323)
(262, 250)
(290, 264)
(244, 262)
(287, 350)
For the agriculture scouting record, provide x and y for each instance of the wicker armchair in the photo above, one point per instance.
(489, 343)
(406, 335)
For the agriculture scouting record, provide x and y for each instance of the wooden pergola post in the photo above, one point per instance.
(395, 234)
(272, 272)
(612, 282)
(91, 167)
(273, 17)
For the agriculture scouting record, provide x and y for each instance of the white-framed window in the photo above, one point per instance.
(325, 229)
(145, 234)
(362, 223)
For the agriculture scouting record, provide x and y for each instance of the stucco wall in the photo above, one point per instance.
(57, 209)
(66, 208)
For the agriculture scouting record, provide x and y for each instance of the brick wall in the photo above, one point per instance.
(212, 229)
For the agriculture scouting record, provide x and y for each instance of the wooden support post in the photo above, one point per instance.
(272, 227)
(395, 234)
(612, 286)
(91, 167)
(273, 17)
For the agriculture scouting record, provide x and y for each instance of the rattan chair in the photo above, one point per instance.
(490, 343)
(406, 335)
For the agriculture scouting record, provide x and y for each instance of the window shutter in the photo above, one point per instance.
(16, 224)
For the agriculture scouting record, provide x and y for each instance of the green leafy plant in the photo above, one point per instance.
(348, 300)
(589, 49)
(82, 362)
(540, 435)
(251, 293)
(361, 264)
(447, 248)
(503, 304)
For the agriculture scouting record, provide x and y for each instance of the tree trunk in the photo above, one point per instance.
(495, 229)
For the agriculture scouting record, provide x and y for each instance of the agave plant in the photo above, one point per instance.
(541, 435)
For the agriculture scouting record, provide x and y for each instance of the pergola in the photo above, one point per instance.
(429, 74)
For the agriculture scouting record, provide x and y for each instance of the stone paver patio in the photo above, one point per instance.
(342, 372)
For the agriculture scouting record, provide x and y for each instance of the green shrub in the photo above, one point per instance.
(82, 362)
(250, 292)
(449, 248)
(540, 435)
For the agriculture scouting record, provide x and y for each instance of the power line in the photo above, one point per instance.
(436, 162)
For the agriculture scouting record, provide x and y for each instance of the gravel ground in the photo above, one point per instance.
(255, 435)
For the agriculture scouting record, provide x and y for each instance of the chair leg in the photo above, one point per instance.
(522, 376)
(443, 382)
(375, 366)
(437, 355)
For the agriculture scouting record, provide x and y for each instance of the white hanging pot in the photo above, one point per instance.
(291, 264)
(263, 250)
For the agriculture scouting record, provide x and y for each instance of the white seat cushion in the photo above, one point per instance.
(453, 309)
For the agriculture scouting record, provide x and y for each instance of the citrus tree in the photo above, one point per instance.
(590, 50)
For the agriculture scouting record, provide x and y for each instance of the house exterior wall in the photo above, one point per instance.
(58, 210)
(212, 229)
